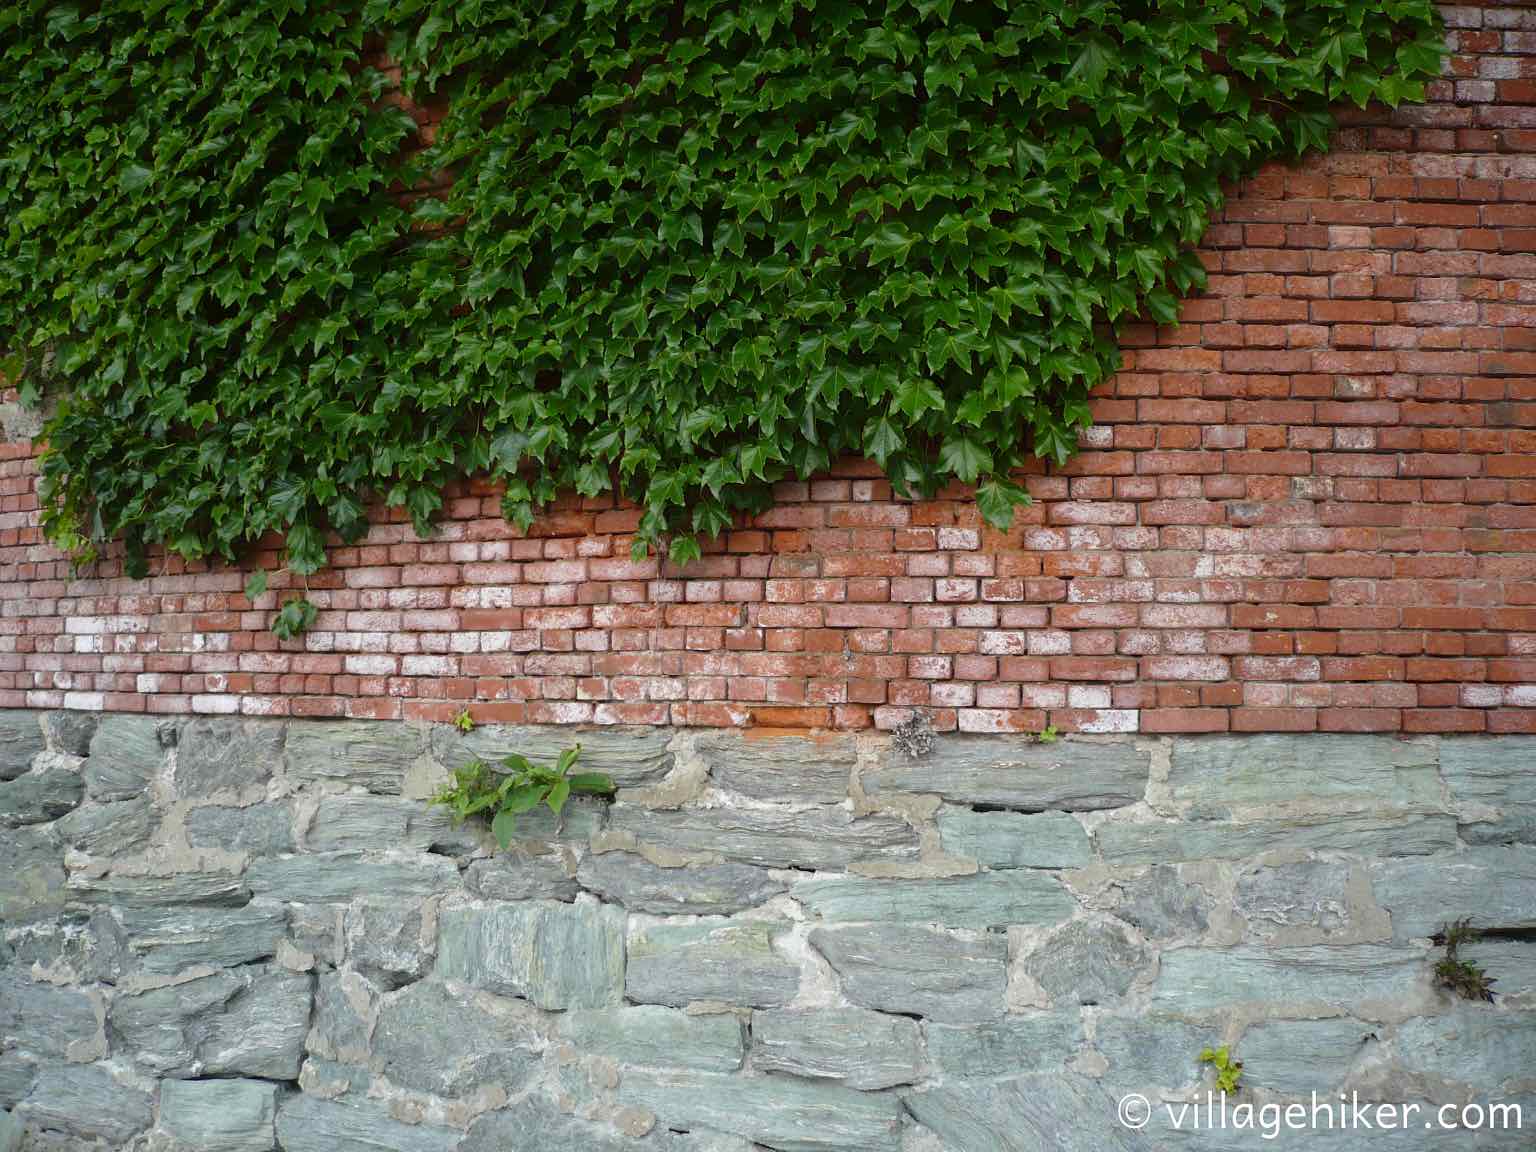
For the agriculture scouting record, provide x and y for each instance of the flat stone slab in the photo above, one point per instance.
(701, 889)
(1018, 773)
(652, 1035)
(631, 755)
(1473, 1045)
(823, 837)
(260, 830)
(373, 753)
(334, 878)
(982, 900)
(1494, 887)
(505, 876)
(108, 829)
(129, 891)
(1301, 1056)
(218, 754)
(86, 1100)
(219, 1115)
(783, 1113)
(795, 769)
(46, 1021)
(1063, 1113)
(39, 797)
(1087, 962)
(853, 1046)
(434, 1040)
(308, 1124)
(1015, 839)
(1493, 780)
(1153, 1051)
(1162, 842)
(168, 940)
(1008, 1046)
(732, 961)
(21, 738)
(125, 752)
(914, 971)
(557, 955)
(1198, 981)
(31, 874)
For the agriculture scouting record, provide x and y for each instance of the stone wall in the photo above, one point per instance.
(225, 935)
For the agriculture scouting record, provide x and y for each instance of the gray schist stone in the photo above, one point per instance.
(534, 1122)
(1473, 1044)
(653, 1035)
(918, 971)
(557, 955)
(1491, 886)
(168, 940)
(1163, 905)
(21, 738)
(1064, 1113)
(783, 1113)
(1211, 776)
(1152, 1050)
(31, 874)
(1016, 772)
(372, 753)
(1301, 1056)
(47, 1021)
(1198, 981)
(392, 941)
(219, 1115)
(345, 1012)
(1497, 773)
(1087, 962)
(360, 824)
(434, 1040)
(108, 829)
(125, 752)
(260, 830)
(1302, 894)
(726, 960)
(1015, 839)
(630, 755)
(16, 1079)
(507, 876)
(773, 837)
(982, 900)
(246, 1021)
(1512, 963)
(1009, 1046)
(703, 889)
(220, 755)
(342, 876)
(862, 1049)
(10, 1133)
(68, 732)
(39, 797)
(797, 769)
(1163, 842)
(86, 1100)
(308, 1124)
(84, 947)
(124, 891)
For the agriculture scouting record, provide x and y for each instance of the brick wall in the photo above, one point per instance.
(1311, 507)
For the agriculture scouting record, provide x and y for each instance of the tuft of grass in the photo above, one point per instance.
(1461, 977)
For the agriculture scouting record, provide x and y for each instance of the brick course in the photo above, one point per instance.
(1311, 507)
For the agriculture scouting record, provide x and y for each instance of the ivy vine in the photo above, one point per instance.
(678, 249)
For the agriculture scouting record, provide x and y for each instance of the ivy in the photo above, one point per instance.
(674, 250)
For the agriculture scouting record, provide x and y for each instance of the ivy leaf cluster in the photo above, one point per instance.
(673, 250)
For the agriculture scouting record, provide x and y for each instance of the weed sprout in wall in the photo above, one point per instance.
(674, 250)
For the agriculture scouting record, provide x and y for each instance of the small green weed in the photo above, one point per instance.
(1048, 734)
(463, 721)
(502, 796)
(1462, 977)
(1229, 1072)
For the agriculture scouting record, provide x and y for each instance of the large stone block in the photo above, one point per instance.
(372, 753)
(86, 1101)
(797, 769)
(1017, 772)
(85, 947)
(108, 829)
(1493, 782)
(1474, 1045)
(219, 1115)
(510, 876)
(557, 955)
(914, 971)
(1168, 841)
(822, 837)
(1152, 1050)
(1199, 981)
(39, 797)
(170, 939)
(31, 874)
(125, 752)
(1303, 894)
(48, 1022)
(1215, 776)
(854, 1046)
(703, 889)
(67, 732)
(630, 755)
(982, 900)
(1086, 962)
(1301, 1056)
(361, 823)
(784, 1113)
(121, 890)
(652, 1035)
(1015, 839)
(1493, 887)
(1163, 905)
(732, 961)
(333, 878)
(21, 738)
(260, 830)
(392, 941)
(219, 754)
(308, 1124)
(449, 1044)
(536, 1122)
(1009, 1046)
(244, 1021)
(1064, 1113)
